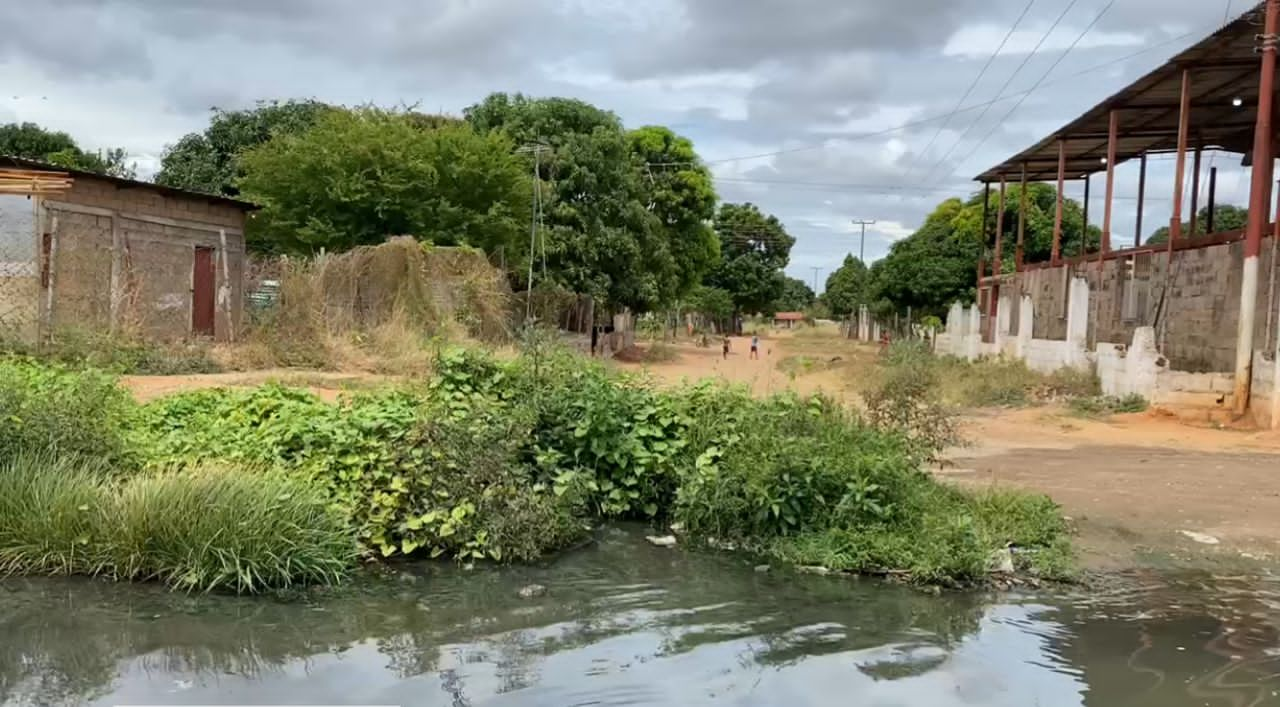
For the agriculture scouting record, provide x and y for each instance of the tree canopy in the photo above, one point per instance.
(936, 265)
(629, 235)
(1226, 217)
(30, 141)
(847, 287)
(356, 177)
(796, 296)
(754, 248)
(207, 161)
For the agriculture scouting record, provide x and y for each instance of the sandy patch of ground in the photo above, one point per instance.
(327, 385)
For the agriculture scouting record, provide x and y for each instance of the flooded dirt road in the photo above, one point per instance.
(625, 623)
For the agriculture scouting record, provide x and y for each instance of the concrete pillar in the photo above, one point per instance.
(973, 335)
(1004, 310)
(1077, 323)
(1026, 325)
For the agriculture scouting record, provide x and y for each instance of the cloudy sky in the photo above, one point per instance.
(793, 102)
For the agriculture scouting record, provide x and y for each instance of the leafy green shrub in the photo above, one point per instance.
(49, 407)
(616, 437)
(786, 466)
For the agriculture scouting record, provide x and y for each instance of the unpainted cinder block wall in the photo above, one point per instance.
(148, 238)
(1195, 321)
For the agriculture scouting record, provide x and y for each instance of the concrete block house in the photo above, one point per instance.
(88, 252)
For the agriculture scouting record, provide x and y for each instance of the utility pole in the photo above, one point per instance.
(535, 219)
(862, 246)
(815, 279)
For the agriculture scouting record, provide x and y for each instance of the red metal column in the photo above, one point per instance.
(1057, 217)
(1180, 170)
(1111, 182)
(1195, 191)
(1022, 219)
(1259, 208)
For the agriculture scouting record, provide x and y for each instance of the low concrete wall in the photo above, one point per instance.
(1136, 368)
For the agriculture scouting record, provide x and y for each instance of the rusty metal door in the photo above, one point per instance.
(202, 293)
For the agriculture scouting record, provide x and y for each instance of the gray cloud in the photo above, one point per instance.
(740, 77)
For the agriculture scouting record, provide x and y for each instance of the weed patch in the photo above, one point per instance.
(1101, 406)
(54, 408)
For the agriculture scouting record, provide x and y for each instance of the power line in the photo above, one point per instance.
(983, 114)
(1226, 14)
(996, 126)
(990, 60)
(926, 121)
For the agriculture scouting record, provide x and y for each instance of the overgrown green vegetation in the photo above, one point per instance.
(120, 353)
(1107, 405)
(501, 460)
(49, 407)
(991, 382)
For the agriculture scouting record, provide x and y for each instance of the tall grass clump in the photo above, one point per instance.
(220, 528)
(51, 514)
(204, 529)
(52, 408)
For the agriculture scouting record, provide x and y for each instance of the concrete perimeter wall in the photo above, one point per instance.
(117, 257)
(1083, 322)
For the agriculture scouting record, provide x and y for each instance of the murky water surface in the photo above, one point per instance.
(623, 623)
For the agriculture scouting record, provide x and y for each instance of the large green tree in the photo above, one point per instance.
(356, 177)
(683, 198)
(208, 161)
(936, 265)
(846, 287)
(612, 228)
(30, 141)
(796, 296)
(754, 248)
(1225, 218)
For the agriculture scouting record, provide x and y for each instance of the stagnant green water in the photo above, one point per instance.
(624, 623)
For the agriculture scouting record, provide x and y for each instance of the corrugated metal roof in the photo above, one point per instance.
(24, 163)
(1224, 67)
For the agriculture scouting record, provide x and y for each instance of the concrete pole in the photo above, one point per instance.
(1022, 219)
(1195, 191)
(1213, 200)
(982, 237)
(994, 297)
(1056, 252)
(1142, 199)
(1259, 208)
(1111, 182)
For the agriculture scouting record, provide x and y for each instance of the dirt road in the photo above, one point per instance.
(1142, 490)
